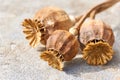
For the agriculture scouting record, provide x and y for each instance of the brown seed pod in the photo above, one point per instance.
(95, 37)
(53, 19)
(61, 46)
(98, 39)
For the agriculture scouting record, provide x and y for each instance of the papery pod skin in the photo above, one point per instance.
(66, 45)
(98, 39)
(51, 19)
(96, 29)
(54, 19)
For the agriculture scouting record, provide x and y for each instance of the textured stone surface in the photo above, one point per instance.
(18, 61)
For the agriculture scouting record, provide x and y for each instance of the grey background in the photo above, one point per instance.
(18, 61)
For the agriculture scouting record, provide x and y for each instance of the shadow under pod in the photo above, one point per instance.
(78, 66)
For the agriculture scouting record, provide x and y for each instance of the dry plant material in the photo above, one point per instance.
(50, 27)
(97, 9)
(61, 46)
(32, 30)
(51, 18)
(96, 37)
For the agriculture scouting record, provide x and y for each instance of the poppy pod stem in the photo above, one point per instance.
(92, 15)
(97, 49)
(54, 58)
(93, 11)
(96, 37)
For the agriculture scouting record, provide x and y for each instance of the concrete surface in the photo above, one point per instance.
(18, 61)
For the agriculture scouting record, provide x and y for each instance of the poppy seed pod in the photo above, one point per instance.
(61, 46)
(98, 39)
(51, 18)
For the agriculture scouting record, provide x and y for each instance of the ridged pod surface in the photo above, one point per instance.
(51, 19)
(98, 39)
(54, 19)
(63, 46)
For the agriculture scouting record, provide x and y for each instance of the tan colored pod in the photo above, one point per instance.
(61, 46)
(98, 39)
(52, 18)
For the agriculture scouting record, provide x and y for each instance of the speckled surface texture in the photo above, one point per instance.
(18, 61)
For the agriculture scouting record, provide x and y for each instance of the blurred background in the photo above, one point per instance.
(18, 61)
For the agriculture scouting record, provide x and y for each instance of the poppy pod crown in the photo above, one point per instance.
(51, 18)
(98, 39)
(61, 46)
(95, 37)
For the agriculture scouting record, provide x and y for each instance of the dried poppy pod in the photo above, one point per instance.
(52, 18)
(61, 46)
(98, 39)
